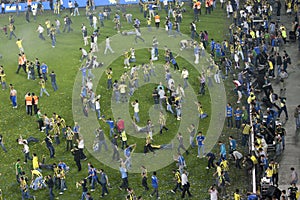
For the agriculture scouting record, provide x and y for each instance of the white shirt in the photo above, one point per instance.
(185, 74)
(40, 29)
(107, 42)
(213, 194)
(136, 107)
(84, 53)
(97, 105)
(184, 179)
(70, 4)
(81, 144)
(26, 148)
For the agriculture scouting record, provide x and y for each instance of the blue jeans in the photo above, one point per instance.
(3, 147)
(54, 86)
(199, 150)
(98, 113)
(83, 195)
(51, 193)
(111, 132)
(14, 100)
(94, 179)
(136, 116)
(297, 120)
(43, 90)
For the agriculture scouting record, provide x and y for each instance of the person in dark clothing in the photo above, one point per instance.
(211, 157)
(114, 143)
(83, 183)
(76, 154)
(49, 145)
(50, 183)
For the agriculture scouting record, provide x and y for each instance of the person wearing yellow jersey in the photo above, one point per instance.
(19, 44)
(24, 189)
(275, 167)
(3, 80)
(126, 59)
(271, 68)
(11, 29)
(144, 177)
(283, 33)
(252, 33)
(218, 170)
(43, 87)
(69, 136)
(37, 179)
(48, 26)
(35, 162)
(109, 73)
(148, 146)
(124, 139)
(225, 168)
(236, 195)
(177, 179)
(62, 177)
(269, 173)
(149, 24)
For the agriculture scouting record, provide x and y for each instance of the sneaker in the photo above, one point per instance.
(173, 191)
(207, 168)
(92, 190)
(61, 193)
(65, 189)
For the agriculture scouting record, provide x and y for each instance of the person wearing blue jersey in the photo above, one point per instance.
(200, 142)
(124, 177)
(212, 45)
(222, 150)
(111, 124)
(229, 114)
(94, 177)
(154, 182)
(238, 117)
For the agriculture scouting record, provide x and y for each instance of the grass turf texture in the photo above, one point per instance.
(64, 61)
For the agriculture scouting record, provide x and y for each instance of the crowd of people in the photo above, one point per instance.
(254, 57)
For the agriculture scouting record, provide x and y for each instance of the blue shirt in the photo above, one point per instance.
(123, 172)
(154, 181)
(44, 68)
(232, 144)
(222, 149)
(211, 155)
(252, 197)
(63, 166)
(127, 152)
(173, 61)
(238, 114)
(228, 111)
(181, 160)
(110, 123)
(200, 140)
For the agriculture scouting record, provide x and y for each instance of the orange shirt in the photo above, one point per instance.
(28, 100)
(21, 61)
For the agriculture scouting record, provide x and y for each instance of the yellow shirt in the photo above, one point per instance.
(3, 77)
(19, 44)
(35, 162)
(43, 84)
(237, 196)
(36, 172)
(269, 173)
(123, 136)
(254, 160)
